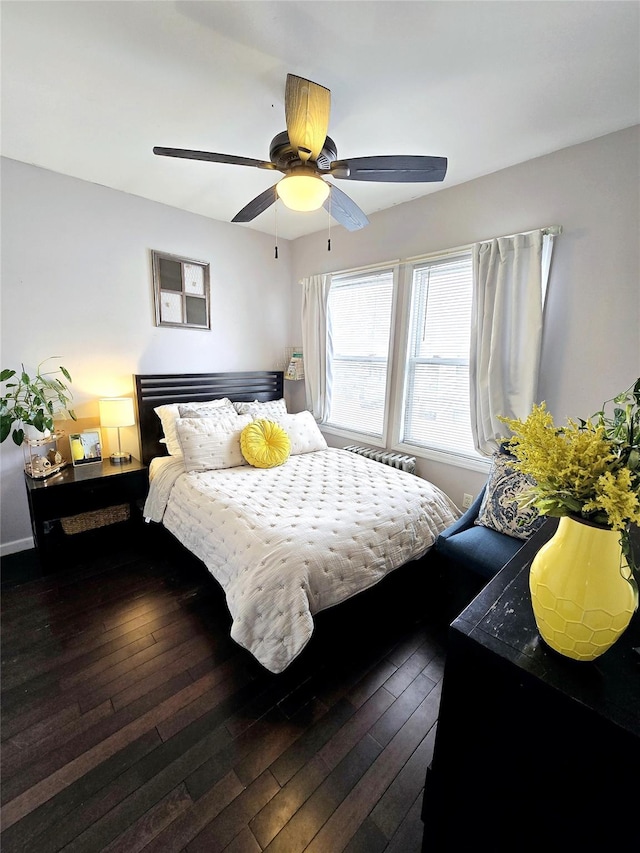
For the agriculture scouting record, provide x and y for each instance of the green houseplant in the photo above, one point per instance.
(33, 400)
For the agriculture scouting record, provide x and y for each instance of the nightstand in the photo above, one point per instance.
(82, 489)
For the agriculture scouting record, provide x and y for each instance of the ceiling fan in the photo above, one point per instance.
(306, 155)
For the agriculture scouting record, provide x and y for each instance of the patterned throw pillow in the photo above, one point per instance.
(499, 509)
(211, 443)
(170, 412)
(264, 444)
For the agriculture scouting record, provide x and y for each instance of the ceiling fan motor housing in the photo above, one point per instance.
(283, 156)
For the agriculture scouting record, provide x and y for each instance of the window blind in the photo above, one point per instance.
(436, 411)
(360, 308)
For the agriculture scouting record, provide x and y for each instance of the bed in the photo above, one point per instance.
(284, 542)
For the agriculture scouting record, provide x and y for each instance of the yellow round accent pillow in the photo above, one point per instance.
(264, 444)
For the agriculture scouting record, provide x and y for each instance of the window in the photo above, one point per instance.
(418, 389)
(360, 314)
(435, 403)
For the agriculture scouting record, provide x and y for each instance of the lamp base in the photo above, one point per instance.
(120, 458)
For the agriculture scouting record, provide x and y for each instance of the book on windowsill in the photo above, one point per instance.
(295, 370)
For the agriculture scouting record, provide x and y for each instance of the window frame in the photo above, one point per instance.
(461, 460)
(351, 435)
(396, 372)
(396, 375)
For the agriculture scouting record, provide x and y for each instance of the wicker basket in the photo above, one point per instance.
(97, 518)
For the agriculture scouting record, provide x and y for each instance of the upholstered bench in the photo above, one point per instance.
(474, 547)
(494, 528)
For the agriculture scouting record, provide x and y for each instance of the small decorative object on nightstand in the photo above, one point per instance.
(117, 412)
(85, 447)
(41, 456)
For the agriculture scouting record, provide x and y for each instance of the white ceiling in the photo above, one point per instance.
(89, 87)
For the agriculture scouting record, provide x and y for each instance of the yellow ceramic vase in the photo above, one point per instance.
(582, 591)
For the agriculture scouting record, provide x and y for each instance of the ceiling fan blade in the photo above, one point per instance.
(259, 204)
(186, 154)
(344, 210)
(307, 106)
(392, 168)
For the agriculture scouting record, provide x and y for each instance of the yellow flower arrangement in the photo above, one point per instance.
(587, 469)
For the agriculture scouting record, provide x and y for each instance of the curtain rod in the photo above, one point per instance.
(550, 230)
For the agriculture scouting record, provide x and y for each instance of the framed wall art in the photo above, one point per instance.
(181, 291)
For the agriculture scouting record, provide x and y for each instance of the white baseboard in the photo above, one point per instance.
(7, 548)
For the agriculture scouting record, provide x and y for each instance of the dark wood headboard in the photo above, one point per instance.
(158, 389)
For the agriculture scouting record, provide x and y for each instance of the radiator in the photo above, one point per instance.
(396, 460)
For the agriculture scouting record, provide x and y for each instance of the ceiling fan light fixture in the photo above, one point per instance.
(303, 190)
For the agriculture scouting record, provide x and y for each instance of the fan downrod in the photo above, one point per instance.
(283, 156)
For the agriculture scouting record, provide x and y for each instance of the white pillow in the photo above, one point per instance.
(206, 410)
(269, 409)
(303, 431)
(211, 443)
(170, 412)
(168, 415)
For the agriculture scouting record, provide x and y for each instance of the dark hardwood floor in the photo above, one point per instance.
(132, 722)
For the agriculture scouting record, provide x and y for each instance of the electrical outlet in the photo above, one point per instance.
(467, 500)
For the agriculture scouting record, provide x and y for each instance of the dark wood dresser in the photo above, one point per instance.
(530, 745)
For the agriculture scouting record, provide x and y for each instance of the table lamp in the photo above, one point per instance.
(116, 412)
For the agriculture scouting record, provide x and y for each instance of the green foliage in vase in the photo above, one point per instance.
(588, 469)
(622, 428)
(33, 400)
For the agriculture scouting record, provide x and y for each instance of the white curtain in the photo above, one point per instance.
(509, 284)
(316, 344)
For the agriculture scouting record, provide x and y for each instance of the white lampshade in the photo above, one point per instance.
(116, 412)
(303, 190)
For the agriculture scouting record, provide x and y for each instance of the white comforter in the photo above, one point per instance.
(287, 542)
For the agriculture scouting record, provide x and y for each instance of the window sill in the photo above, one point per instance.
(455, 459)
(359, 437)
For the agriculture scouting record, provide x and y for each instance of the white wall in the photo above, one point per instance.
(591, 345)
(76, 283)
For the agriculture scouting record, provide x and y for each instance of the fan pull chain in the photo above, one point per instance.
(329, 212)
(275, 211)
